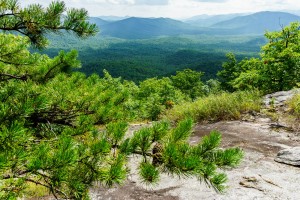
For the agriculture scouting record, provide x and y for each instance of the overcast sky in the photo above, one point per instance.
(174, 8)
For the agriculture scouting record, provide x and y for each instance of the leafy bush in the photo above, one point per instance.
(277, 68)
(189, 82)
(156, 95)
(223, 106)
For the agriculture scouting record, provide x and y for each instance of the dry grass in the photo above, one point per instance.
(34, 192)
(224, 106)
(294, 105)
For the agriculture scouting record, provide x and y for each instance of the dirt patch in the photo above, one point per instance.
(259, 137)
(131, 192)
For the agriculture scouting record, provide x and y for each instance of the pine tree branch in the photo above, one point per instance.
(91, 167)
(50, 70)
(49, 187)
(143, 154)
(57, 117)
(9, 14)
(13, 63)
(10, 76)
(15, 175)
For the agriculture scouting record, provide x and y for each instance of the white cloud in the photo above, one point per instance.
(152, 2)
(173, 8)
(211, 1)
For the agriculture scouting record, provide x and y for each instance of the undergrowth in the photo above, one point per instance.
(294, 105)
(215, 107)
(34, 191)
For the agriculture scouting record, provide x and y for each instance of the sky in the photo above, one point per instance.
(178, 9)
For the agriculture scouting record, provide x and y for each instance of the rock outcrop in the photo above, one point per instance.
(278, 99)
(290, 156)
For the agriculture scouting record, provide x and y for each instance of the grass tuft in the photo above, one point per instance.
(224, 106)
(294, 105)
(34, 191)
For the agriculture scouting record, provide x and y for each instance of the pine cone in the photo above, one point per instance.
(157, 154)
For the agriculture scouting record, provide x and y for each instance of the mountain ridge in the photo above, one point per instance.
(208, 20)
(145, 28)
(141, 28)
(258, 22)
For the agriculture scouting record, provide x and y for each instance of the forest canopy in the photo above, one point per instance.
(277, 68)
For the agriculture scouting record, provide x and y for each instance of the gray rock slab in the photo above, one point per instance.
(290, 156)
(279, 98)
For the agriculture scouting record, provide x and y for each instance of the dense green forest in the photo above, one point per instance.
(140, 59)
(62, 130)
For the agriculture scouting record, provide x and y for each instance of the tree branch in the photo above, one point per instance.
(50, 70)
(10, 76)
(49, 187)
(9, 14)
(15, 176)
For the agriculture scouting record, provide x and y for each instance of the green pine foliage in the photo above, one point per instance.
(35, 21)
(48, 133)
(149, 173)
(174, 155)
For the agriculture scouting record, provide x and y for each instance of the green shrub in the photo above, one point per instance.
(223, 106)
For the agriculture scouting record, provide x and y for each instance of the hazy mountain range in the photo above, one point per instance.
(209, 20)
(231, 24)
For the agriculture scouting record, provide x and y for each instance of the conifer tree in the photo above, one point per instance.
(48, 118)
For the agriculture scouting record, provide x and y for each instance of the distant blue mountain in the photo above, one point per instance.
(208, 20)
(258, 23)
(98, 21)
(140, 28)
(113, 18)
(143, 28)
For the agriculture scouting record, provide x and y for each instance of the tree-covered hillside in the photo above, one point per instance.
(171, 45)
(140, 59)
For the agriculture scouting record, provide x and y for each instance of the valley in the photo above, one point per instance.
(140, 48)
(138, 60)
